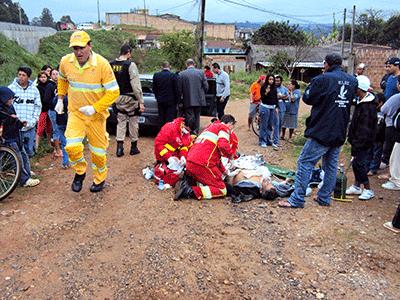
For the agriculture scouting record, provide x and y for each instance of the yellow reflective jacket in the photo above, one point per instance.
(93, 84)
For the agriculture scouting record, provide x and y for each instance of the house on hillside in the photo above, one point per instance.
(148, 41)
(231, 58)
(311, 61)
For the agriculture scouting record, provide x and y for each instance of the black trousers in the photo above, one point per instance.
(167, 112)
(396, 218)
(390, 139)
(361, 166)
(192, 118)
(221, 106)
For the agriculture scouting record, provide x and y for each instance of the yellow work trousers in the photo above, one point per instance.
(94, 129)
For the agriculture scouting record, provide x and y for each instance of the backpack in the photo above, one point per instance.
(396, 120)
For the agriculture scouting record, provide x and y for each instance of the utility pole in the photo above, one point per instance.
(98, 14)
(19, 13)
(201, 33)
(145, 13)
(343, 31)
(351, 60)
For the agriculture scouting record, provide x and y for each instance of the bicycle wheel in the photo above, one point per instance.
(255, 125)
(10, 171)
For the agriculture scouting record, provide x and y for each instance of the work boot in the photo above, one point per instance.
(78, 182)
(183, 190)
(120, 148)
(95, 188)
(134, 148)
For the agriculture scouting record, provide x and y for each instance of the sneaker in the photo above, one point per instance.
(389, 225)
(354, 190)
(275, 147)
(390, 186)
(31, 182)
(383, 166)
(263, 145)
(33, 173)
(366, 195)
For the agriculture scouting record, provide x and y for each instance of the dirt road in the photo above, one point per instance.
(133, 241)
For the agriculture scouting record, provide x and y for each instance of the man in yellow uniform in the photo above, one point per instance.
(91, 86)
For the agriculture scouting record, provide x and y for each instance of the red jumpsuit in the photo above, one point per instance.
(172, 140)
(204, 160)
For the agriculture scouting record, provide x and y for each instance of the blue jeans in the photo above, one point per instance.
(310, 155)
(23, 157)
(63, 141)
(377, 151)
(53, 118)
(28, 140)
(278, 119)
(266, 123)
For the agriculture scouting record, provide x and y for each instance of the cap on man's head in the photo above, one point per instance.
(79, 39)
(393, 61)
(361, 66)
(364, 83)
(5, 94)
(333, 59)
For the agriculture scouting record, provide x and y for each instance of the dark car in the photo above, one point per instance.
(149, 118)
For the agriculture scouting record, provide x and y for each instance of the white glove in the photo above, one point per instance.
(87, 110)
(59, 108)
(183, 161)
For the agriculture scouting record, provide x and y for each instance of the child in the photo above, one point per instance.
(61, 120)
(361, 137)
(11, 134)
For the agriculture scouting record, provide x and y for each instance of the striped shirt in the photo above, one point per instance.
(93, 84)
(27, 103)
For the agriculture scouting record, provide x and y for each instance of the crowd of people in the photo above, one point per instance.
(70, 104)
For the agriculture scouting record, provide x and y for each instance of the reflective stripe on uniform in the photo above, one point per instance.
(184, 149)
(97, 151)
(163, 152)
(205, 190)
(100, 170)
(224, 135)
(111, 86)
(209, 136)
(86, 87)
(76, 140)
(74, 162)
(169, 147)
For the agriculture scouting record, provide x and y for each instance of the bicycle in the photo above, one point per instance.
(255, 124)
(10, 169)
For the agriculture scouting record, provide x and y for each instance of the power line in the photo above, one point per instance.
(300, 16)
(178, 6)
(270, 12)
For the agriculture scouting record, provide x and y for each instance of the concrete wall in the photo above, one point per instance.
(26, 36)
(229, 63)
(223, 31)
(374, 58)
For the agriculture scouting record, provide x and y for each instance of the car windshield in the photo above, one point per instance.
(147, 86)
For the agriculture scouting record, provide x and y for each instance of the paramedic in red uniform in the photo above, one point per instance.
(173, 141)
(204, 161)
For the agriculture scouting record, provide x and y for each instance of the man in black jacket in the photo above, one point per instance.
(330, 95)
(165, 88)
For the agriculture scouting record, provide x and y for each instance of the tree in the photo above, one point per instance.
(46, 18)
(178, 47)
(9, 12)
(66, 19)
(279, 33)
(391, 31)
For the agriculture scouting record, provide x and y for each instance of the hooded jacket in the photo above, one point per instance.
(330, 95)
(27, 103)
(11, 126)
(363, 126)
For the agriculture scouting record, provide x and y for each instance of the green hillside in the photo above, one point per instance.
(106, 43)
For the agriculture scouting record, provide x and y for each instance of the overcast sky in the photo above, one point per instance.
(300, 11)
